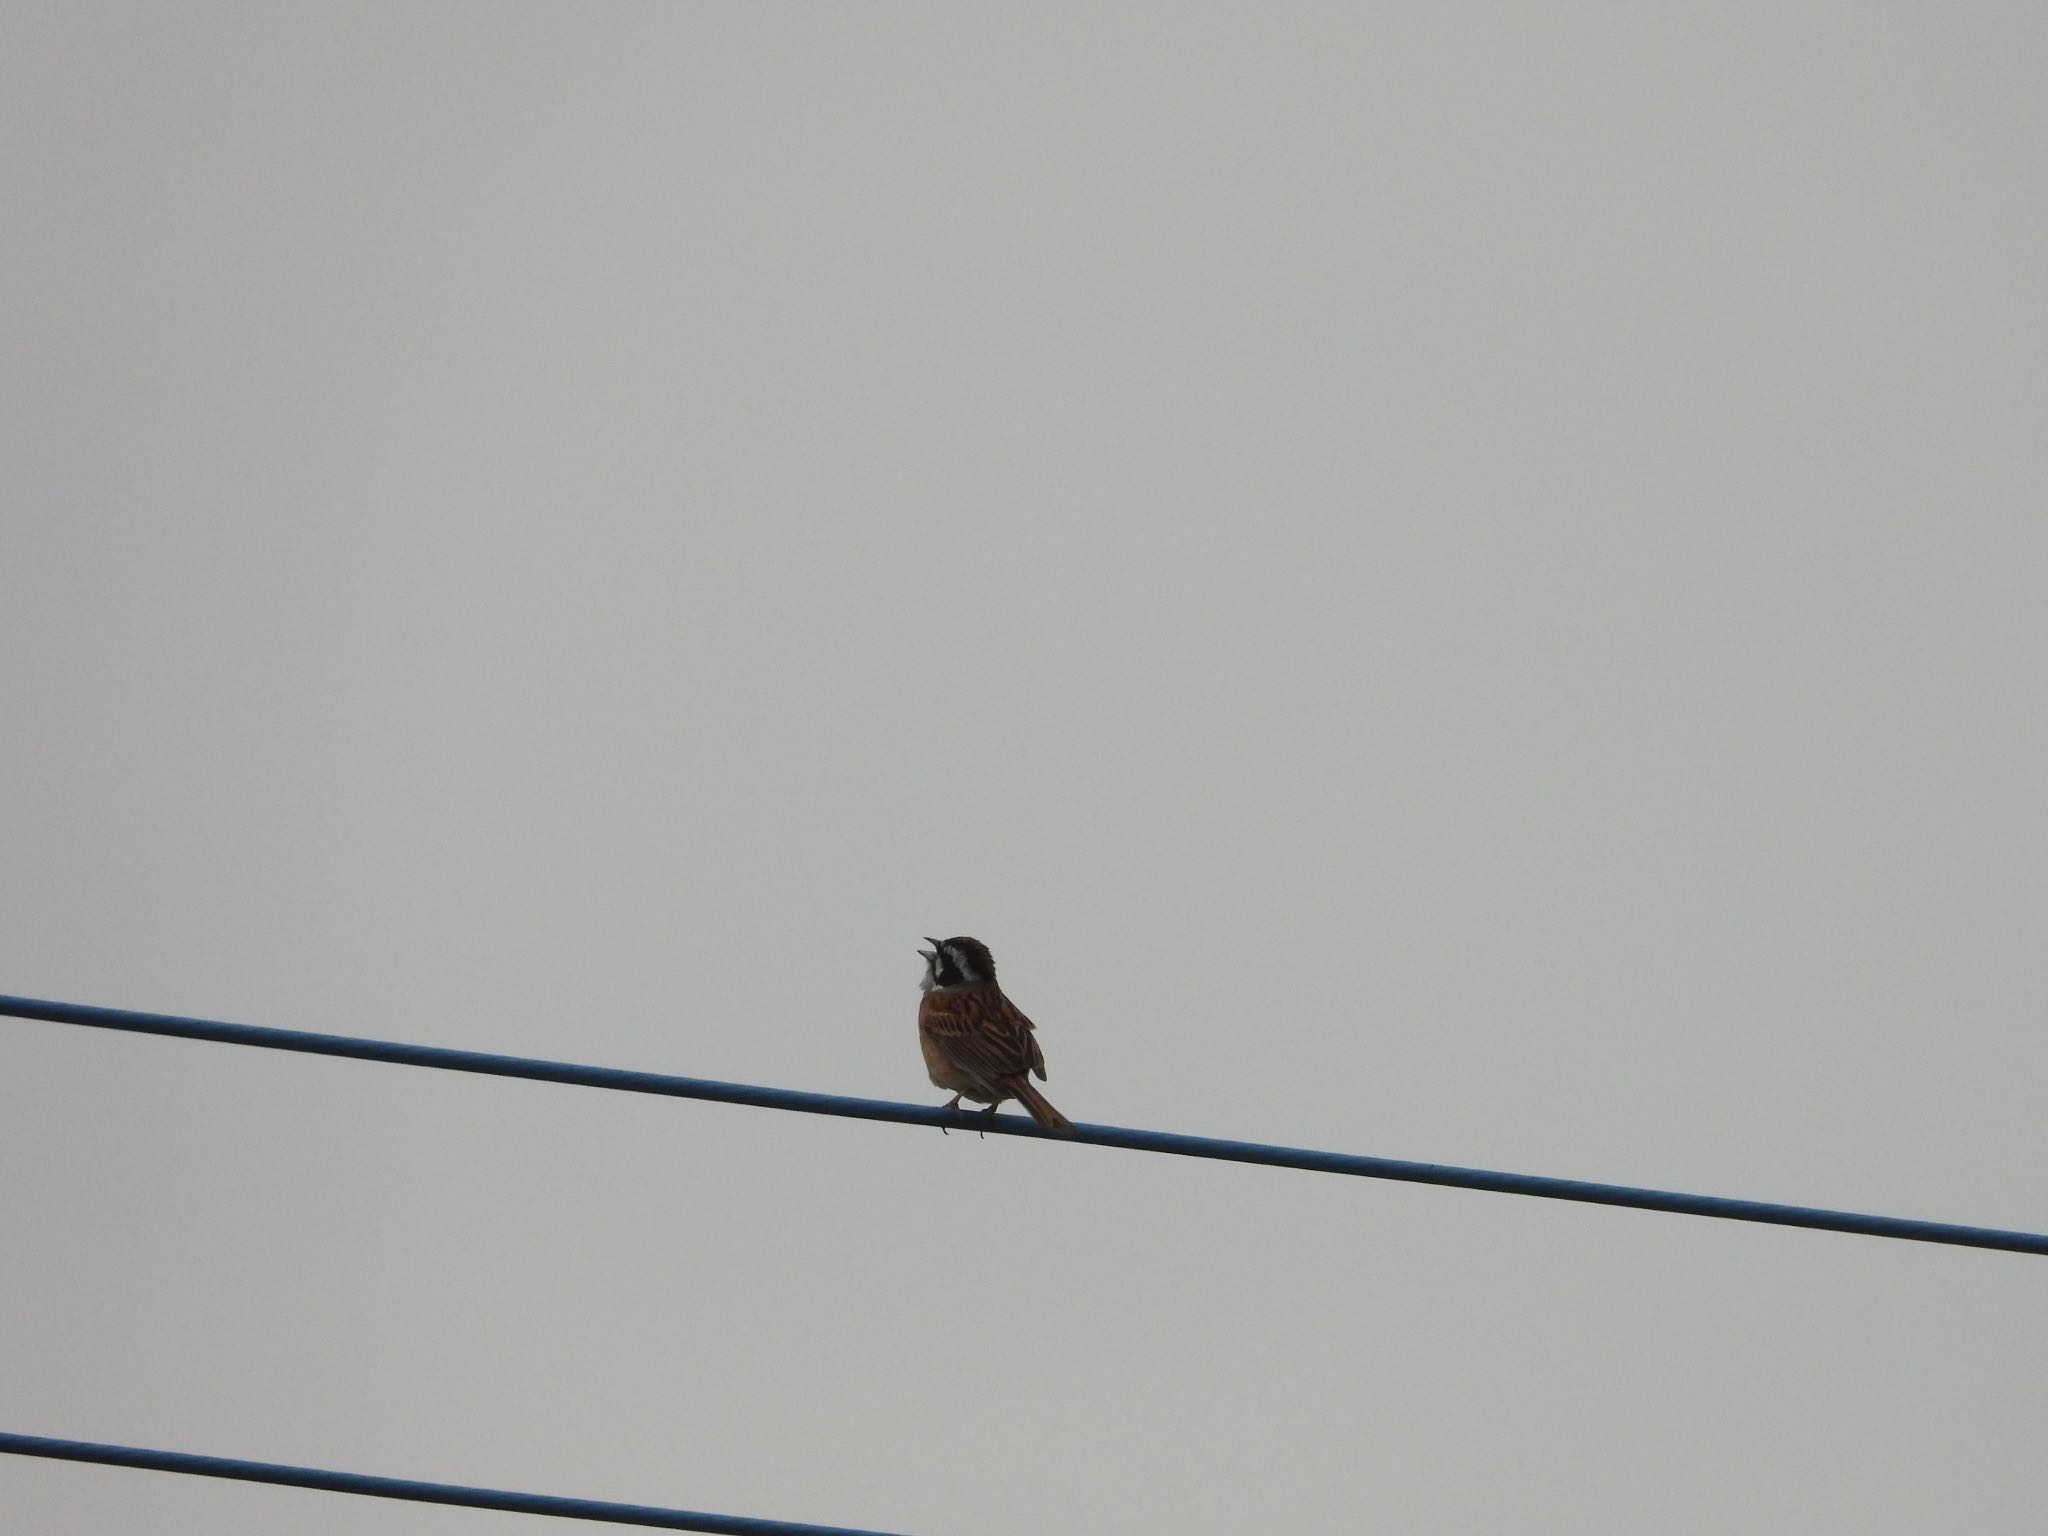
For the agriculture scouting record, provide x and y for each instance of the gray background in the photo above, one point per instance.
(1458, 582)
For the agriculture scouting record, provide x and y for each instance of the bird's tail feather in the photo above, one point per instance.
(1040, 1109)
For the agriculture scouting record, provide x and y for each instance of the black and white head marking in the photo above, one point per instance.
(961, 962)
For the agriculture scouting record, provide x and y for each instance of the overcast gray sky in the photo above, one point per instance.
(1459, 582)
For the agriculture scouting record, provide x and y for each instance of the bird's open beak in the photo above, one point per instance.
(933, 952)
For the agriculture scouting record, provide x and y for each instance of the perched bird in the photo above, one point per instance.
(976, 1041)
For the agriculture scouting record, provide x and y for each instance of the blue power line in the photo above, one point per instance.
(418, 1492)
(1017, 1125)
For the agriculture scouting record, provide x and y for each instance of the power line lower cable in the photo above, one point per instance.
(409, 1488)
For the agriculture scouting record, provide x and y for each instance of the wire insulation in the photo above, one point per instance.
(417, 1492)
(1356, 1165)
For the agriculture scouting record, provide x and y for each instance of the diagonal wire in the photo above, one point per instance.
(409, 1488)
(1131, 1139)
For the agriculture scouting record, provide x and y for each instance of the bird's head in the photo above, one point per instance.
(956, 963)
